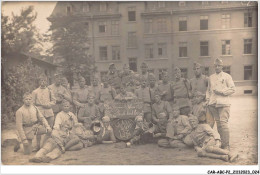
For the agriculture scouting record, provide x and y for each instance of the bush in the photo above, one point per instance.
(15, 82)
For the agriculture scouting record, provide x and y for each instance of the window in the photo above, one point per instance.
(161, 72)
(162, 49)
(115, 52)
(148, 26)
(225, 20)
(224, 2)
(206, 71)
(115, 27)
(85, 7)
(226, 69)
(87, 26)
(248, 72)
(162, 26)
(102, 27)
(183, 50)
(248, 19)
(69, 10)
(131, 14)
(184, 72)
(161, 4)
(182, 3)
(205, 2)
(226, 50)
(204, 22)
(247, 46)
(132, 40)
(102, 75)
(103, 7)
(133, 64)
(149, 51)
(103, 53)
(204, 48)
(183, 23)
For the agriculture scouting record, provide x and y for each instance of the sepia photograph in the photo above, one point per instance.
(129, 83)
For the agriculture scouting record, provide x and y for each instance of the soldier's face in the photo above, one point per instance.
(144, 83)
(91, 100)
(64, 82)
(178, 74)
(112, 69)
(152, 81)
(139, 123)
(106, 124)
(218, 68)
(43, 82)
(165, 78)
(95, 82)
(122, 90)
(58, 81)
(27, 100)
(197, 71)
(194, 123)
(82, 83)
(126, 69)
(66, 107)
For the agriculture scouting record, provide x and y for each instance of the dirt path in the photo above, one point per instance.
(243, 129)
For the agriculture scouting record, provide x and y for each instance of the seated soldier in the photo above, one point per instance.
(207, 142)
(124, 95)
(159, 130)
(90, 112)
(160, 107)
(198, 108)
(178, 129)
(142, 132)
(106, 134)
(29, 122)
(61, 135)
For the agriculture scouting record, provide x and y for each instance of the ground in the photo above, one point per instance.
(243, 140)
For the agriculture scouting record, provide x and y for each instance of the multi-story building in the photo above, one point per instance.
(171, 33)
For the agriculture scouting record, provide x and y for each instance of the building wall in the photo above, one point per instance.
(171, 11)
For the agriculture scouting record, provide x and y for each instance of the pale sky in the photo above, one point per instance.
(43, 9)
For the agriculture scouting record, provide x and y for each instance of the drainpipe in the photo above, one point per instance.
(172, 49)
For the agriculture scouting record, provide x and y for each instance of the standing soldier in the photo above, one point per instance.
(30, 122)
(144, 71)
(65, 84)
(143, 93)
(113, 76)
(80, 97)
(44, 100)
(127, 77)
(221, 86)
(153, 88)
(59, 92)
(95, 88)
(165, 89)
(182, 93)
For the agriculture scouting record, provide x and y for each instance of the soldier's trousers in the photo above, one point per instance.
(221, 116)
(50, 149)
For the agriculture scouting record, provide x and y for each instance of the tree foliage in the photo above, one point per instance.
(18, 35)
(70, 44)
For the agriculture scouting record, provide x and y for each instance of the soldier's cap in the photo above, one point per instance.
(106, 119)
(139, 118)
(177, 69)
(196, 65)
(81, 78)
(43, 77)
(193, 118)
(111, 64)
(91, 94)
(26, 94)
(162, 115)
(126, 66)
(218, 61)
(144, 65)
(151, 75)
(64, 101)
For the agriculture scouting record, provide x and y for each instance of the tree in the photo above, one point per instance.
(19, 34)
(70, 43)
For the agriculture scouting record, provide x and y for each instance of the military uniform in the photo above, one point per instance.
(221, 86)
(162, 107)
(80, 97)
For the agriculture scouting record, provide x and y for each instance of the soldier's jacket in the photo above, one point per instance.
(168, 89)
(177, 126)
(96, 90)
(114, 79)
(26, 119)
(57, 90)
(182, 92)
(107, 94)
(163, 107)
(199, 84)
(89, 112)
(202, 134)
(43, 97)
(144, 95)
(81, 95)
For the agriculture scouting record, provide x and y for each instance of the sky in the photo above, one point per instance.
(43, 9)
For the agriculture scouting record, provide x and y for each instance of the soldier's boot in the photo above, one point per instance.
(38, 143)
(178, 144)
(216, 156)
(76, 147)
(71, 143)
(163, 143)
(217, 150)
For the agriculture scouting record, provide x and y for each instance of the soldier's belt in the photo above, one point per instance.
(30, 125)
(184, 96)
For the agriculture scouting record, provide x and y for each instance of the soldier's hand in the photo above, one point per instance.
(218, 143)
(49, 130)
(157, 135)
(217, 92)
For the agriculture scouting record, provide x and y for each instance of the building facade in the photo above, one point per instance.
(171, 33)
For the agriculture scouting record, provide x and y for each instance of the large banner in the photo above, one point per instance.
(122, 116)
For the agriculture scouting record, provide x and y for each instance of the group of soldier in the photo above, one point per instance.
(176, 114)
